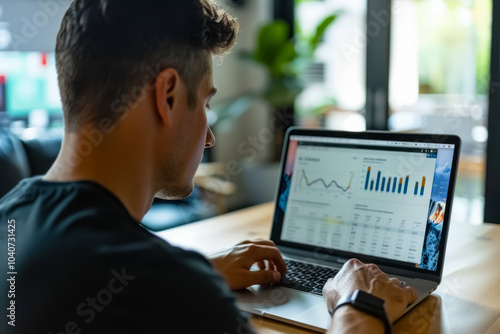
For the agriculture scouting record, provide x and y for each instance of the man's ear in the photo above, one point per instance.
(167, 93)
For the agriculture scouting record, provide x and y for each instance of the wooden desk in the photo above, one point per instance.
(467, 301)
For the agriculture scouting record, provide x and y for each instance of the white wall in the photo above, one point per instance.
(33, 25)
(234, 77)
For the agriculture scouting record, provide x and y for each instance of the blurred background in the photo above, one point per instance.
(401, 65)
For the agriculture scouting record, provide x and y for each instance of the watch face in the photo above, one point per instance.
(362, 298)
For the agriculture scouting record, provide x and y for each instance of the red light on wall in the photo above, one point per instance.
(3, 104)
(44, 59)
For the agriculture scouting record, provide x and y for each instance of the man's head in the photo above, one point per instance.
(118, 56)
(106, 49)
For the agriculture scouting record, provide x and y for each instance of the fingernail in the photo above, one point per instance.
(276, 275)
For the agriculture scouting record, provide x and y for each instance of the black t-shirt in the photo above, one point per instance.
(84, 265)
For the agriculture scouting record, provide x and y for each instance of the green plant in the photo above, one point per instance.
(286, 58)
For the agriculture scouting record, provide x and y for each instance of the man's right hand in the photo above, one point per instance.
(369, 278)
(235, 264)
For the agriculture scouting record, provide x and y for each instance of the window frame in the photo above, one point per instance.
(492, 184)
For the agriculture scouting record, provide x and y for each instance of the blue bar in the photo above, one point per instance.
(378, 181)
(406, 184)
(367, 178)
(422, 191)
(388, 185)
(394, 184)
(383, 184)
(371, 185)
(399, 188)
(416, 189)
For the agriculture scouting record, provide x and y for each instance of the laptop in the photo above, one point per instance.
(380, 197)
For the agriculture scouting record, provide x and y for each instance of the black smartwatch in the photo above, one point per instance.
(367, 303)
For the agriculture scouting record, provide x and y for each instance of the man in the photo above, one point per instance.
(135, 79)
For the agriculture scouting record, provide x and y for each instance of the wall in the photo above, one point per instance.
(33, 25)
(234, 76)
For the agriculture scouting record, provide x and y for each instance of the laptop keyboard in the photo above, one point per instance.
(306, 277)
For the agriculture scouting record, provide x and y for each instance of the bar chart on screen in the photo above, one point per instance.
(387, 176)
(384, 183)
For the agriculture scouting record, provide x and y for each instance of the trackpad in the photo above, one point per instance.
(279, 301)
(317, 316)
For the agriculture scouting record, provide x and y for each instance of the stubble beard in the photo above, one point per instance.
(169, 187)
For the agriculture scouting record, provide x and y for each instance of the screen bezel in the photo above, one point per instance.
(382, 136)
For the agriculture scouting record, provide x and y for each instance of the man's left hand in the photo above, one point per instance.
(235, 263)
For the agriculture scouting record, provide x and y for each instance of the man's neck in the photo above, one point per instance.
(115, 163)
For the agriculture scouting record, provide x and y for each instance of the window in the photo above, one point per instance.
(439, 82)
(439, 74)
(427, 70)
(335, 82)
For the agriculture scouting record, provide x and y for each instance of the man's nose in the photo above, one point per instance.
(210, 140)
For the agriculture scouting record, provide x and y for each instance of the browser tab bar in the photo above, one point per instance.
(370, 142)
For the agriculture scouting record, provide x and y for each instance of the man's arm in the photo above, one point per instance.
(369, 278)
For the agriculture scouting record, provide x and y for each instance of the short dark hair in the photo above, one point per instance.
(106, 49)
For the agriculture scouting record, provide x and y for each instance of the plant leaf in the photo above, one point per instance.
(271, 38)
(321, 29)
(285, 55)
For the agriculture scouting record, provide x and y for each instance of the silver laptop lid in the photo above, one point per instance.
(381, 197)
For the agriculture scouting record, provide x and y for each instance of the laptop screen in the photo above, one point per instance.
(381, 198)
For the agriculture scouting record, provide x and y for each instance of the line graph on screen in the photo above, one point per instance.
(319, 183)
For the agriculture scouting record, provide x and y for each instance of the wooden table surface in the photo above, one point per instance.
(467, 301)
